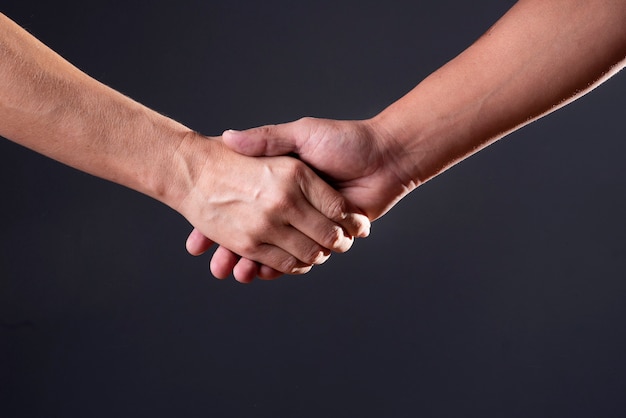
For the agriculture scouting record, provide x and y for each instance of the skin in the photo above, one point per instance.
(538, 57)
(274, 211)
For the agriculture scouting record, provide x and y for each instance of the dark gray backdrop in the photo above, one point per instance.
(496, 289)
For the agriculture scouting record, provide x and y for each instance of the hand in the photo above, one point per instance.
(354, 157)
(275, 211)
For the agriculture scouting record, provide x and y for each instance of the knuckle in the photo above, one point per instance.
(249, 246)
(321, 257)
(267, 130)
(307, 121)
(315, 255)
(310, 126)
(336, 240)
(336, 208)
(295, 169)
(289, 265)
(281, 203)
(282, 199)
(258, 229)
(333, 235)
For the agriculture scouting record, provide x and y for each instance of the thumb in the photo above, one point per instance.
(269, 140)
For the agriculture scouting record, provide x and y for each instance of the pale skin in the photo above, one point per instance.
(538, 57)
(274, 211)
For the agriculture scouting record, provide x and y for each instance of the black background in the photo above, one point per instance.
(496, 289)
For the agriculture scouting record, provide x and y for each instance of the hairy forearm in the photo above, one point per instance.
(50, 106)
(538, 57)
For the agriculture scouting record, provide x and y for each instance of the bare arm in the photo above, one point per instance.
(272, 211)
(538, 57)
(50, 106)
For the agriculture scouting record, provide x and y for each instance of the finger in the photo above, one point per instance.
(356, 224)
(279, 259)
(291, 252)
(296, 243)
(339, 222)
(322, 232)
(223, 262)
(197, 243)
(245, 270)
(268, 273)
(269, 140)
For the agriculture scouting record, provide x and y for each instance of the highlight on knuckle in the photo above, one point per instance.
(249, 246)
(333, 238)
(280, 203)
(288, 265)
(260, 227)
(295, 170)
(315, 254)
(307, 121)
(336, 208)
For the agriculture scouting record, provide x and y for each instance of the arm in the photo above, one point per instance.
(538, 57)
(274, 211)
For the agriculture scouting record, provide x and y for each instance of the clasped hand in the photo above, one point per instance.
(275, 211)
(356, 159)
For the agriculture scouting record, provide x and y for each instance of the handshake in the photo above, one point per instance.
(270, 213)
(273, 214)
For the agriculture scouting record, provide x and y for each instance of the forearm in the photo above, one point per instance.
(274, 211)
(50, 106)
(538, 57)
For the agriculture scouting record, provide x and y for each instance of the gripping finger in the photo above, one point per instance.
(333, 206)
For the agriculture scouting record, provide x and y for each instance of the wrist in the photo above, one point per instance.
(425, 135)
(174, 178)
(394, 143)
(146, 151)
(152, 154)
